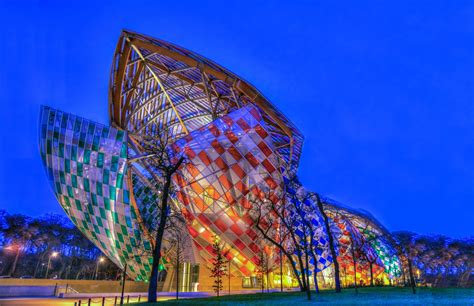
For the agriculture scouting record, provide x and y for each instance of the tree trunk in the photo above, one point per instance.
(403, 273)
(40, 258)
(332, 248)
(371, 273)
(316, 286)
(300, 262)
(153, 287)
(345, 277)
(464, 279)
(268, 281)
(412, 278)
(308, 289)
(315, 270)
(15, 261)
(282, 249)
(354, 263)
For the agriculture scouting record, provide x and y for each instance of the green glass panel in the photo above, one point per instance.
(119, 135)
(78, 205)
(67, 166)
(112, 193)
(95, 143)
(79, 169)
(123, 151)
(58, 188)
(90, 209)
(107, 232)
(98, 187)
(61, 150)
(70, 191)
(102, 213)
(119, 180)
(94, 199)
(99, 221)
(86, 185)
(114, 164)
(107, 204)
(74, 153)
(87, 156)
(62, 178)
(105, 177)
(66, 201)
(100, 160)
(48, 147)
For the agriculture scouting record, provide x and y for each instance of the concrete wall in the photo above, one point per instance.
(11, 291)
(44, 287)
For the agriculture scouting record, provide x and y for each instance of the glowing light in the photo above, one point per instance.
(54, 254)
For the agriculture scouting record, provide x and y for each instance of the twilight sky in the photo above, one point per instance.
(383, 91)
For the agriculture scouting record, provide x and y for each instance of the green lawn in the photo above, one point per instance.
(366, 296)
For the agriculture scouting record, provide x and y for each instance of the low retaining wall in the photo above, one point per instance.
(11, 291)
(46, 287)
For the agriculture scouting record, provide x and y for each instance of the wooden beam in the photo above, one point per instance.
(240, 85)
(117, 95)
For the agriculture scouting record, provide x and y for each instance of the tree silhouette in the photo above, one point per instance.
(218, 270)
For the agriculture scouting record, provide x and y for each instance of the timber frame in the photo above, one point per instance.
(156, 84)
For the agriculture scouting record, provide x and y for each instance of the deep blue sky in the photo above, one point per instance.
(382, 90)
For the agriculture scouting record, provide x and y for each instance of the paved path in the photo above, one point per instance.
(162, 296)
(41, 301)
(46, 301)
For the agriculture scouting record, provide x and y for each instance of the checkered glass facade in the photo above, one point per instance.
(368, 244)
(86, 163)
(309, 211)
(229, 161)
(385, 253)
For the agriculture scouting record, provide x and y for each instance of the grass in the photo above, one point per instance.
(366, 296)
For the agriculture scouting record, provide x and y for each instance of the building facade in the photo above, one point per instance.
(238, 149)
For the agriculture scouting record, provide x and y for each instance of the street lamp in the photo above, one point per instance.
(101, 260)
(54, 254)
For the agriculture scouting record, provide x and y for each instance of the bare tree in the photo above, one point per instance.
(331, 240)
(314, 245)
(354, 249)
(273, 223)
(218, 270)
(403, 242)
(176, 243)
(261, 268)
(366, 250)
(162, 163)
(302, 215)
